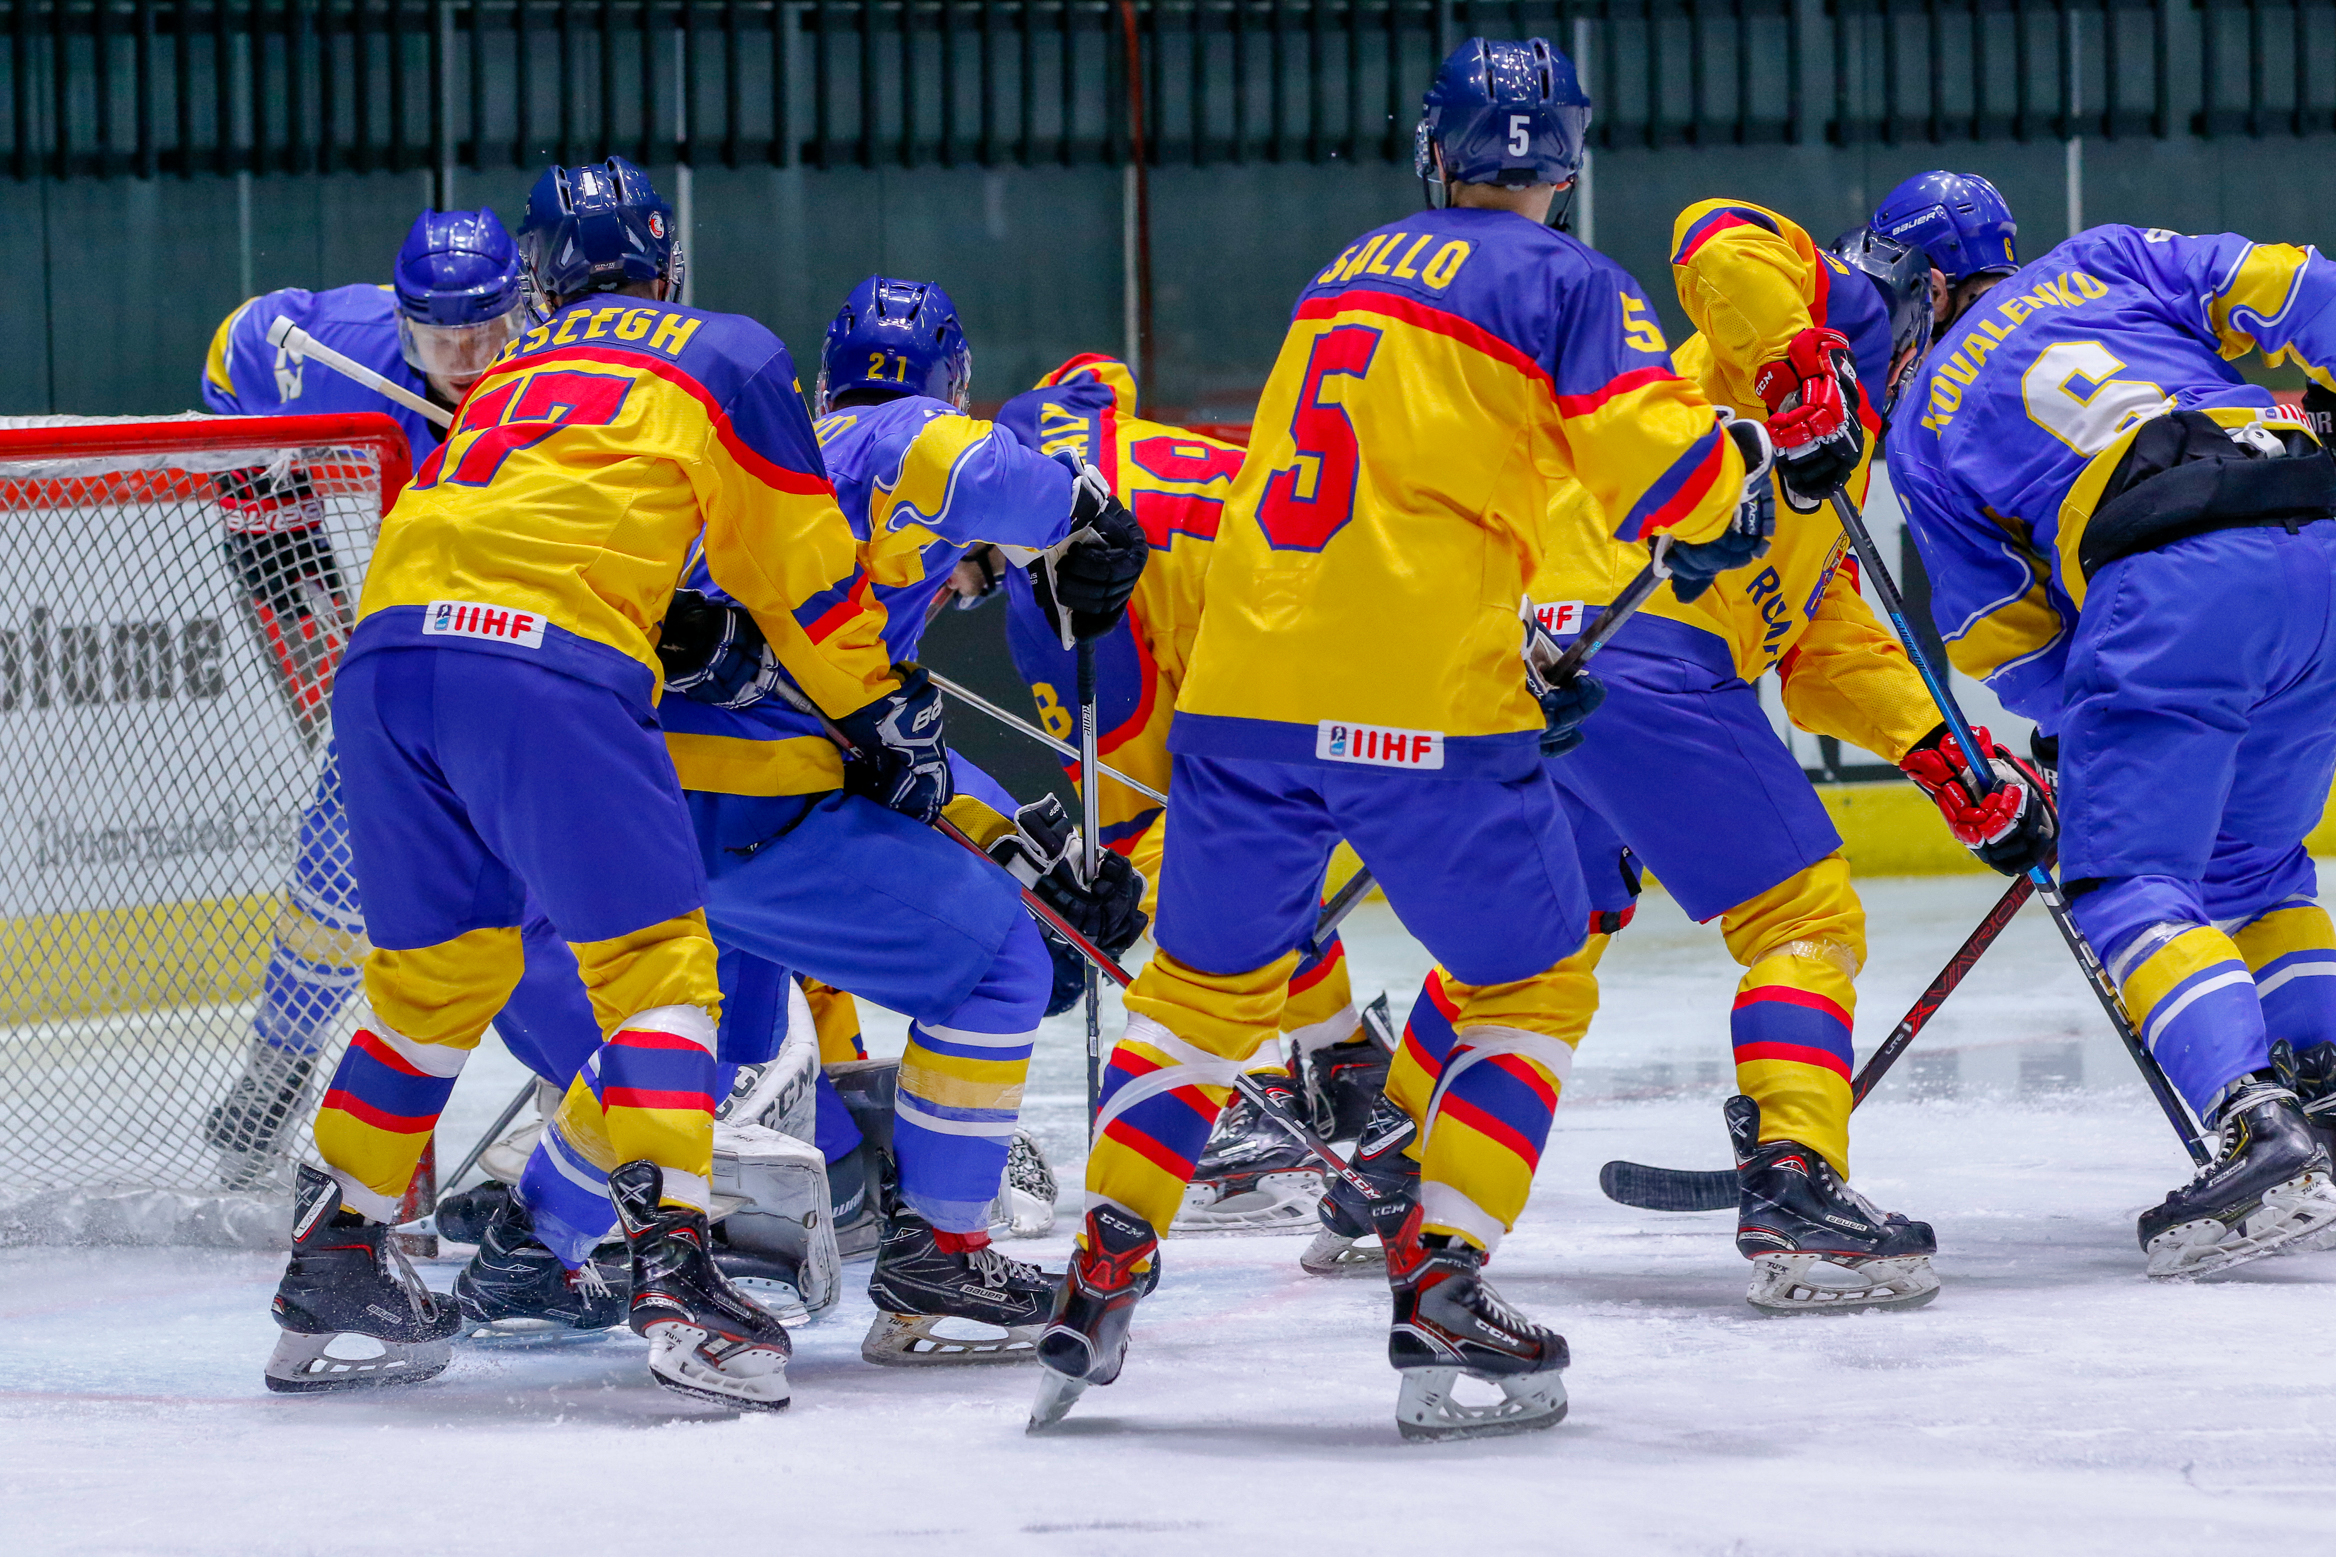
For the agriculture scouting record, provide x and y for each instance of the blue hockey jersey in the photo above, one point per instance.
(921, 484)
(245, 376)
(2027, 405)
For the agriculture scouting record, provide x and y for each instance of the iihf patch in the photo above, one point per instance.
(656, 224)
(469, 619)
(1559, 617)
(1378, 746)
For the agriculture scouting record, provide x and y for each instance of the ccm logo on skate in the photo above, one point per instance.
(464, 619)
(1378, 746)
(1559, 617)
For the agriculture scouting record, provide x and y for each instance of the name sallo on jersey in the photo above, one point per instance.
(1379, 746)
(469, 619)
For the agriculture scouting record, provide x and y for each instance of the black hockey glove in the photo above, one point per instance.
(2011, 827)
(1096, 573)
(1039, 853)
(713, 652)
(903, 763)
(1564, 708)
(1745, 540)
(2045, 749)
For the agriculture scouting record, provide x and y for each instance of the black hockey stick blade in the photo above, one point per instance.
(1669, 1189)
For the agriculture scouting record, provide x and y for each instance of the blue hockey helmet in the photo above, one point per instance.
(458, 285)
(595, 228)
(1503, 112)
(903, 336)
(1901, 273)
(1959, 219)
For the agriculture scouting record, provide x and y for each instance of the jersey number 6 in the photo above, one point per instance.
(1310, 501)
(523, 413)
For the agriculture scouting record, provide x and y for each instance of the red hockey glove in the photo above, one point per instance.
(1812, 397)
(2010, 828)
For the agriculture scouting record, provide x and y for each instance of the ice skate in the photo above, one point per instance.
(2313, 1076)
(706, 1338)
(1025, 1204)
(246, 1127)
(2267, 1189)
(516, 1291)
(1253, 1177)
(1086, 1336)
(1816, 1245)
(1343, 1080)
(1347, 1218)
(464, 1217)
(354, 1314)
(1449, 1321)
(935, 1306)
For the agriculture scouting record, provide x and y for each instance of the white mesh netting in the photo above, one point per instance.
(179, 932)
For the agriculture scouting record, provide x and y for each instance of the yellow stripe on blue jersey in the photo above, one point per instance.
(1435, 383)
(585, 468)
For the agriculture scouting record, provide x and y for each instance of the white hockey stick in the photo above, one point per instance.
(288, 337)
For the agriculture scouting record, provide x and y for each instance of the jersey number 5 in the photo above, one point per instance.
(1307, 503)
(523, 413)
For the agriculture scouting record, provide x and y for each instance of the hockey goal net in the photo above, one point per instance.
(174, 595)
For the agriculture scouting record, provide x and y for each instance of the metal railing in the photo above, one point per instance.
(112, 88)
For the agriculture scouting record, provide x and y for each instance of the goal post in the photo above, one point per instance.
(174, 596)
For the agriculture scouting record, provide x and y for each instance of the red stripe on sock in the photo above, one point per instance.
(1785, 994)
(372, 1044)
(1797, 1053)
(644, 1097)
(365, 1113)
(1150, 1150)
(651, 1038)
(1527, 1074)
(1491, 1127)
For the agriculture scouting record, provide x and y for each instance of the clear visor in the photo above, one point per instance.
(458, 351)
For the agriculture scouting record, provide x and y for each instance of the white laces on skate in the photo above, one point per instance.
(586, 1278)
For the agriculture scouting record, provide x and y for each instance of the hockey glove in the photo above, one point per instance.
(1096, 572)
(1693, 567)
(902, 762)
(1813, 399)
(2010, 828)
(713, 652)
(1039, 854)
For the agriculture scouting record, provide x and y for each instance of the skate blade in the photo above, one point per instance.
(1281, 1203)
(915, 1341)
(523, 1334)
(753, 1379)
(2303, 1208)
(342, 1360)
(1814, 1284)
(1335, 1254)
(1427, 1412)
(1057, 1393)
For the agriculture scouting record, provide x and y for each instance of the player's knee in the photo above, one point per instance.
(445, 993)
(1813, 913)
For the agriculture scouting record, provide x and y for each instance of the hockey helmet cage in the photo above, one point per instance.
(1901, 273)
(902, 336)
(1503, 112)
(458, 285)
(1960, 220)
(595, 228)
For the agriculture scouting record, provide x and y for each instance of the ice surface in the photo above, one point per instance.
(2052, 1401)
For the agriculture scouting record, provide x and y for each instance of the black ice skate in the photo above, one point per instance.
(515, 1290)
(1450, 1321)
(2313, 1076)
(1253, 1177)
(1086, 1337)
(1343, 1080)
(354, 1314)
(1347, 1218)
(935, 1306)
(246, 1127)
(1816, 1245)
(706, 1338)
(2268, 1188)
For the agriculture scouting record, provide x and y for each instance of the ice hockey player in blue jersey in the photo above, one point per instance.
(2137, 549)
(832, 870)
(453, 303)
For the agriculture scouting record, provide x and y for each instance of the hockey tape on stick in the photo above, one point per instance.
(1714, 1189)
(1558, 669)
(1861, 539)
(1011, 721)
(288, 337)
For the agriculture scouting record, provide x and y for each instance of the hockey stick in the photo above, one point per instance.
(1558, 669)
(288, 337)
(1090, 861)
(1853, 525)
(1714, 1189)
(1011, 721)
(502, 1123)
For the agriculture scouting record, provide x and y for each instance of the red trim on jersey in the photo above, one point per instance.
(1623, 384)
(1369, 300)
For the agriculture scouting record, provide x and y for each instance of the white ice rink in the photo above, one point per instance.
(2052, 1401)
